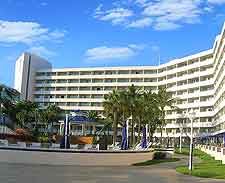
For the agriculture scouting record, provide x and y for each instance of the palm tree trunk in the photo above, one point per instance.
(149, 133)
(134, 140)
(163, 122)
(114, 128)
(132, 132)
(139, 130)
(161, 128)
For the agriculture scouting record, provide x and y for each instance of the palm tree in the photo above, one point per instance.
(124, 106)
(152, 112)
(93, 115)
(146, 112)
(51, 114)
(8, 94)
(21, 118)
(25, 113)
(133, 93)
(140, 112)
(8, 98)
(112, 110)
(163, 100)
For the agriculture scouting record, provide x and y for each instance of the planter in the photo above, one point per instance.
(45, 145)
(81, 140)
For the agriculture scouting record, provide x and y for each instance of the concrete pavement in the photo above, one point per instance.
(161, 173)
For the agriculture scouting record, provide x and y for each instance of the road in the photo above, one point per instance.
(161, 173)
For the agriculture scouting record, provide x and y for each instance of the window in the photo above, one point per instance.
(73, 73)
(125, 80)
(85, 80)
(73, 88)
(123, 72)
(110, 72)
(73, 81)
(85, 88)
(85, 73)
(98, 72)
(150, 71)
(150, 80)
(137, 72)
(62, 73)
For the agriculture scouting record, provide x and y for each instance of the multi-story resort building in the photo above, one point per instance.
(197, 81)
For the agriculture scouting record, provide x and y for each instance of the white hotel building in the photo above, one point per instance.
(197, 81)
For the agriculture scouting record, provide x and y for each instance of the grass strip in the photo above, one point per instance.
(207, 168)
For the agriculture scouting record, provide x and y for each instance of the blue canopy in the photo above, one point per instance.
(80, 119)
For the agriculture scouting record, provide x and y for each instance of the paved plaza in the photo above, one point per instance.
(161, 173)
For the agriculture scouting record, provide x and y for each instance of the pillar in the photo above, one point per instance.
(83, 129)
(94, 129)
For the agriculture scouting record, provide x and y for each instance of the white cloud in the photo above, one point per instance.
(99, 8)
(108, 53)
(144, 22)
(158, 14)
(166, 26)
(219, 2)
(169, 14)
(27, 32)
(163, 24)
(208, 9)
(41, 51)
(115, 15)
(137, 46)
(143, 3)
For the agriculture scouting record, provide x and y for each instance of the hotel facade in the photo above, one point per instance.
(196, 81)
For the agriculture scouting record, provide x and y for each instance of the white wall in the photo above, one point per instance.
(26, 65)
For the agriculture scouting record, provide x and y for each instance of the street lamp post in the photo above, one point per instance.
(181, 130)
(191, 117)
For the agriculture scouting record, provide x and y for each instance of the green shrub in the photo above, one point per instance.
(43, 139)
(159, 155)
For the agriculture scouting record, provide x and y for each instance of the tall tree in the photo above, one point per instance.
(112, 110)
(124, 106)
(133, 94)
(8, 99)
(24, 111)
(164, 100)
(50, 115)
(152, 113)
(93, 115)
(8, 94)
(147, 112)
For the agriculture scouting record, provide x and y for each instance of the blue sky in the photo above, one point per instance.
(78, 33)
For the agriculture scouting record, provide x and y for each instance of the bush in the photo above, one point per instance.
(43, 139)
(159, 155)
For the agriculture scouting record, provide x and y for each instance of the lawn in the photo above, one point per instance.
(207, 168)
(155, 161)
(185, 151)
